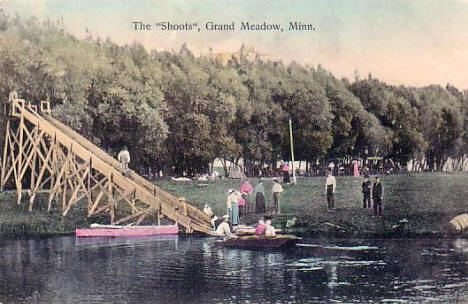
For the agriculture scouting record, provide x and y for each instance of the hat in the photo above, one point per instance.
(225, 216)
(181, 198)
(230, 191)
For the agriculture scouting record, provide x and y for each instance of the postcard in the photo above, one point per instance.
(270, 151)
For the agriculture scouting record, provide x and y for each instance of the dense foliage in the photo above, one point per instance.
(177, 112)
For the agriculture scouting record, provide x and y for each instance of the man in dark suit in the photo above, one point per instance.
(377, 196)
(366, 192)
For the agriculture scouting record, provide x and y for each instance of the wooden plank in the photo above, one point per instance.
(4, 159)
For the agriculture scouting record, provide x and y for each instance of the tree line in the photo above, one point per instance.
(177, 112)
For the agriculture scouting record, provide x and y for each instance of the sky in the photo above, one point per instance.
(411, 42)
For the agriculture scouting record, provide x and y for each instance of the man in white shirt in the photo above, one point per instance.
(223, 228)
(124, 159)
(276, 190)
(330, 186)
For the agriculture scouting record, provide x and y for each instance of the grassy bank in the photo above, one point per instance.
(17, 221)
(428, 201)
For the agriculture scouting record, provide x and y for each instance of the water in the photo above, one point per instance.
(194, 270)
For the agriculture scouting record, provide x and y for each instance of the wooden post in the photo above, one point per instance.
(133, 201)
(19, 161)
(90, 196)
(110, 199)
(292, 153)
(4, 160)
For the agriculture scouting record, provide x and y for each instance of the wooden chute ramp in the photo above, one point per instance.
(56, 159)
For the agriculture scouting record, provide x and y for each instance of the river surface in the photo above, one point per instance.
(194, 270)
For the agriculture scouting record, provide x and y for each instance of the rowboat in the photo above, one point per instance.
(279, 241)
(116, 230)
(106, 241)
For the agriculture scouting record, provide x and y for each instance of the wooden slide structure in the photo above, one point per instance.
(71, 169)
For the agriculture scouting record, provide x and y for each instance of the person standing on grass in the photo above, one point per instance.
(285, 169)
(260, 198)
(232, 207)
(330, 186)
(366, 192)
(377, 196)
(245, 190)
(276, 191)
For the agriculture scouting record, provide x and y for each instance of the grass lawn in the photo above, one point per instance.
(427, 200)
(17, 221)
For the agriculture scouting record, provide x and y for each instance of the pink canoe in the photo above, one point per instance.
(114, 230)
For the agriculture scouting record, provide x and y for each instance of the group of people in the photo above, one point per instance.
(263, 228)
(369, 189)
(374, 190)
(239, 203)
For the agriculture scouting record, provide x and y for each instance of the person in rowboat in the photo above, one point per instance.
(269, 229)
(224, 229)
(261, 227)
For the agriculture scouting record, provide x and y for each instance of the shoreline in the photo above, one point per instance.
(27, 233)
(415, 206)
(30, 235)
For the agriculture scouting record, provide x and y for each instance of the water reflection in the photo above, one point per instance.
(194, 270)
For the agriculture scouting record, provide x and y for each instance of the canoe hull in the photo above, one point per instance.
(127, 231)
(260, 242)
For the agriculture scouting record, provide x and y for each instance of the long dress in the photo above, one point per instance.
(233, 208)
(356, 169)
(234, 214)
(286, 179)
(259, 199)
(260, 203)
(245, 190)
